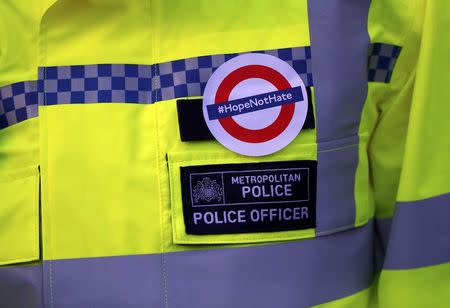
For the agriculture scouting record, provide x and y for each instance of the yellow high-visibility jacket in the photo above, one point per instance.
(142, 166)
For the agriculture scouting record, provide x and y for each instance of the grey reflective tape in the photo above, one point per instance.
(18, 102)
(296, 274)
(111, 282)
(340, 76)
(21, 287)
(339, 44)
(336, 167)
(382, 232)
(420, 234)
(290, 274)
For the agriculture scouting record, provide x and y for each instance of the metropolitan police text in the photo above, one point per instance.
(284, 189)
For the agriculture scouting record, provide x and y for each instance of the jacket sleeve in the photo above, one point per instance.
(416, 268)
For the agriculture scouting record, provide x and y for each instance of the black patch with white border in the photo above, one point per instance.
(252, 197)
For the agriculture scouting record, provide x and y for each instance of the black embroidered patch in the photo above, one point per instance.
(244, 198)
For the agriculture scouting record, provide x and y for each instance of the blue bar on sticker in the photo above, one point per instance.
(254, 103)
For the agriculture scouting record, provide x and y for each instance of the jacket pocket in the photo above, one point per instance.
(222, 198)
(19, 216)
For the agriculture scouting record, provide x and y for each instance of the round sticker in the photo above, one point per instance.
(255, 104)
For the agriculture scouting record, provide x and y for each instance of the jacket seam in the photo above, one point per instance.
(153, 85)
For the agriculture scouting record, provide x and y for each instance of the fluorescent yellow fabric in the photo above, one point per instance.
(415, 288)
(19, 31)
(425, 167)
(18, 40)
(111, 153)
(18, 60)
(207, 27)
(19, 146)
(398, 22)
(144, 32)
(19, 201)
(122, 33)
(96, 157)
(97, 206)
(163, 31)
(19, 216)
(364, 299)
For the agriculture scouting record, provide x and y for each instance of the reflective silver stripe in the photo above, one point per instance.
(111, 282)
(21, 287)
(290, 274)
(337, 162)
(339, 45)
(420, 234)
(382, 231)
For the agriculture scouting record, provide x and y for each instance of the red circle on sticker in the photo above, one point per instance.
(255, 135)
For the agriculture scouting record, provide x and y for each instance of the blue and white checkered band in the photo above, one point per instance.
(18, 102)
(146, 84)
(381, 62)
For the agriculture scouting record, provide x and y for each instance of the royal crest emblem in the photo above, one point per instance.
(207, 190)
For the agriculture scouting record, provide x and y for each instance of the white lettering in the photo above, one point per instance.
(237, 180)
(287, 214)
(305, 212)
(208, 218)
(297, 213)
(245, 191)
(288, 190)
(231, 220)
(254, 215)
(197, 217)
